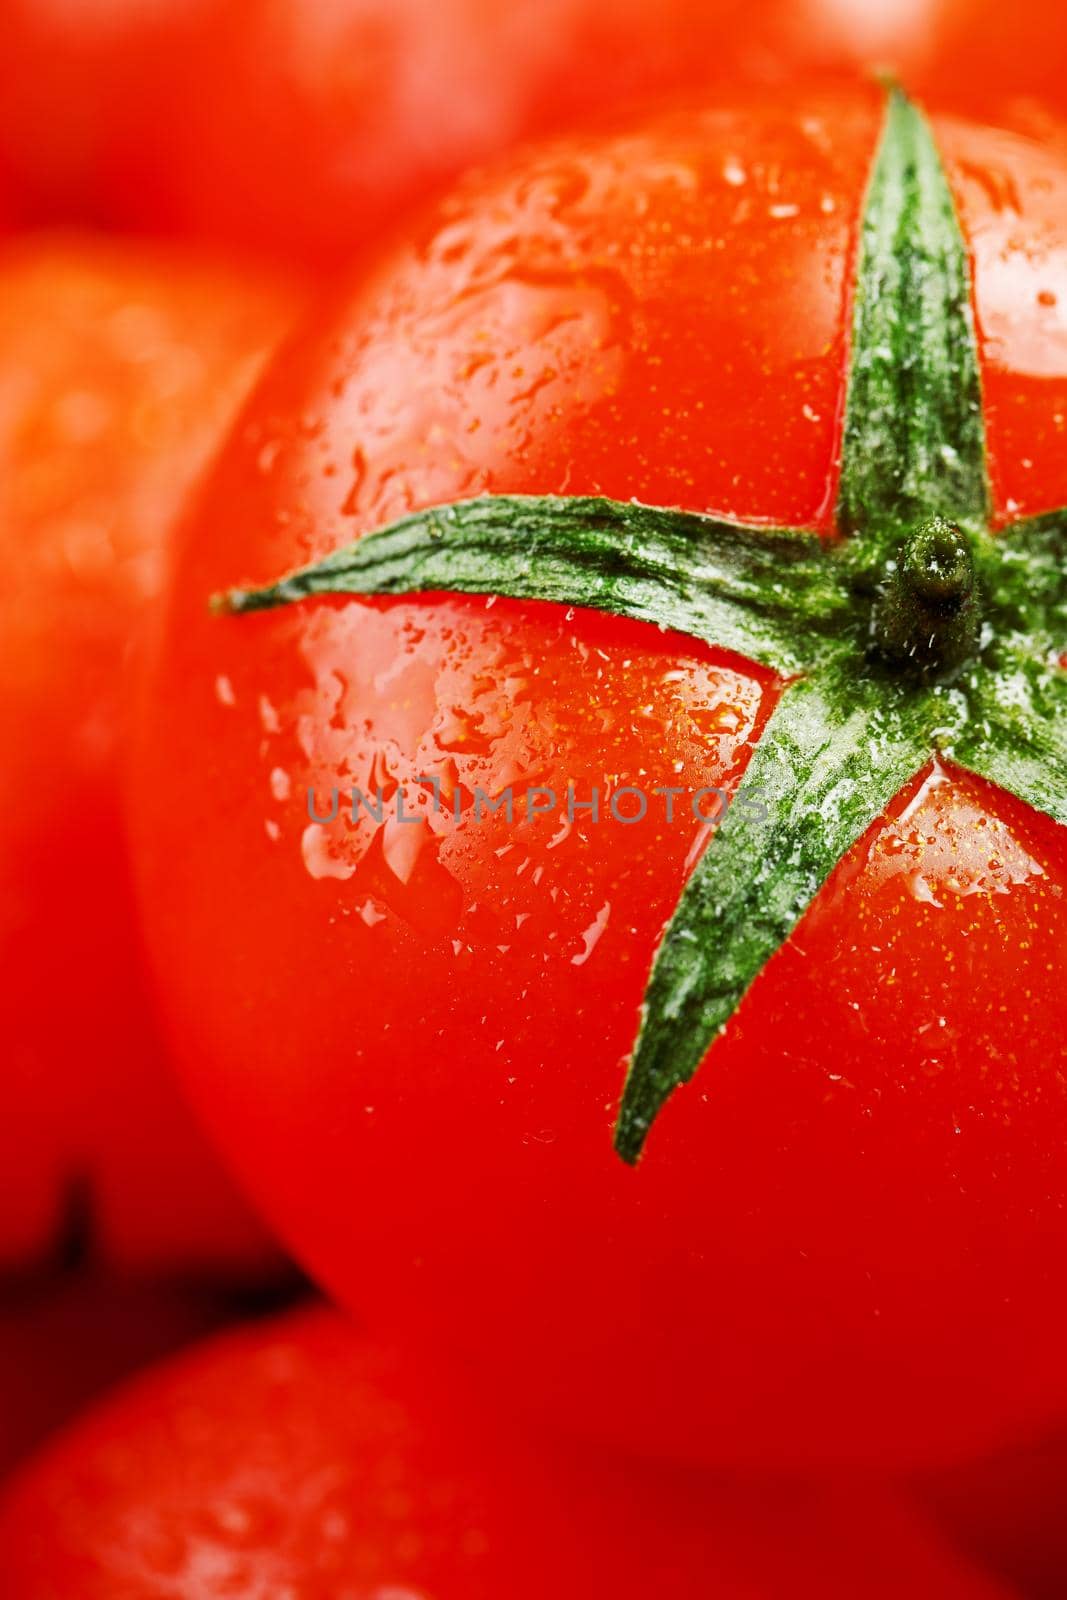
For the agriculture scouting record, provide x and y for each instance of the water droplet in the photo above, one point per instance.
(591, 936)
(321, 857)
(372, 913)
(268, 456)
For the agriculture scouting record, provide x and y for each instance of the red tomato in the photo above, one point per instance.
(298, 1458)
(119, 371)
(304, 127)
(845, 1237)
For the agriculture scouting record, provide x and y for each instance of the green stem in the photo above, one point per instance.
(927, 619)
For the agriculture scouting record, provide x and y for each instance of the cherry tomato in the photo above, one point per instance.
(296, 1457)
(119, 371)
(305, 128)
(845, 1236)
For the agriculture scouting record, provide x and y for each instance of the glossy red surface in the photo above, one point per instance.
(845, 1238)
(1009, 189)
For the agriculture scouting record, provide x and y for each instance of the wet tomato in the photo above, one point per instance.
(823, 333)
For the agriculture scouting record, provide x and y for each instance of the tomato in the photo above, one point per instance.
(844, 1237)
(119, 371)
(304, 129)
(297, 1455)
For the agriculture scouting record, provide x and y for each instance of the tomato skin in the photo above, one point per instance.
(1007, 187)
(120, 369)
(297, 1453)
(843, 1239)
(306, 129)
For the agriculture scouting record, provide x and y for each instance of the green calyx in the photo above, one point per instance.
(917, 633)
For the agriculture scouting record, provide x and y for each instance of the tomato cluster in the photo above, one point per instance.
(536, 749)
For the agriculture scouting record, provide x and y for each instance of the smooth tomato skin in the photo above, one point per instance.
(120, 370)
(305, 129)
(299, 1457)
(844, 1238)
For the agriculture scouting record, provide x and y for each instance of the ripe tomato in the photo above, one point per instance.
(119, 371)
(304, 128)
(844, 1237)
(296, 1457)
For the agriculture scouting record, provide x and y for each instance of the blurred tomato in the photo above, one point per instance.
(119, 371)
(305, 126)
(298, 1459)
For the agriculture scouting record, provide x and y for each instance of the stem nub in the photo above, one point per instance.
(926, 619)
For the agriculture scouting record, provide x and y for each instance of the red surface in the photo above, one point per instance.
(307, 128)
(1010, 192)
(120, 369)
(300, 1458)
(846, 1236)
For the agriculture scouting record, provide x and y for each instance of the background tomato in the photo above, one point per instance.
(844, 1238)
(120, 368)
(304, 128)
(298, 1456)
